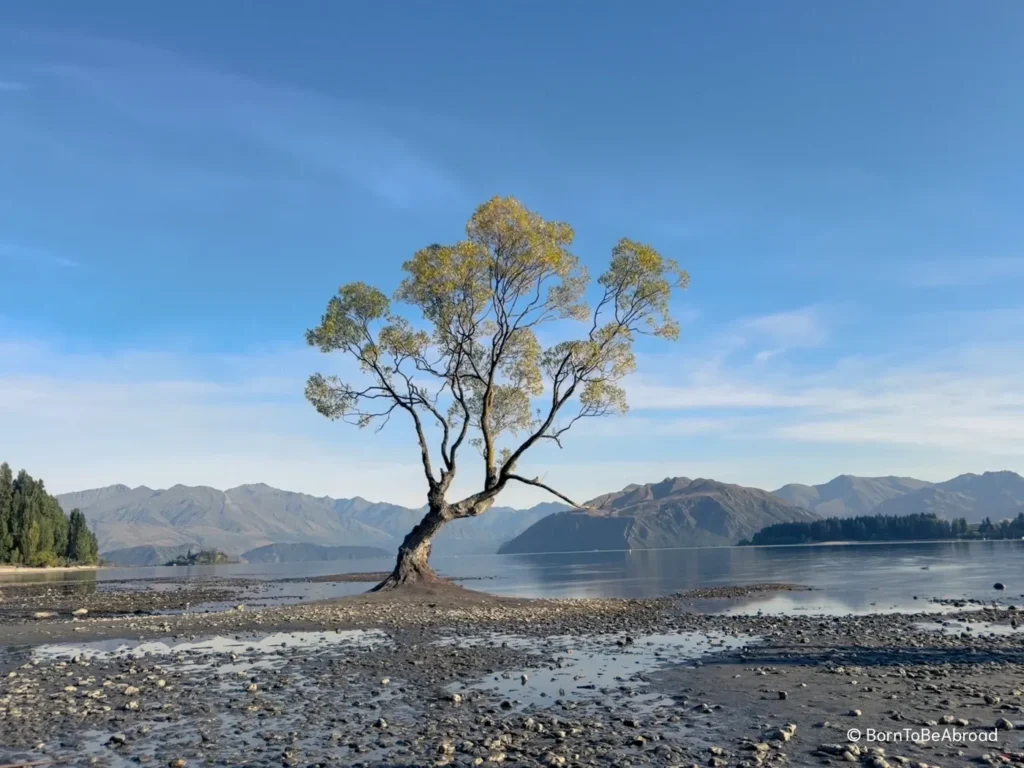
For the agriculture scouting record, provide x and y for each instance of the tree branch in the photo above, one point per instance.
(547, 488)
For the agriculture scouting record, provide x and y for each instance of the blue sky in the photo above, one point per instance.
(184, 185)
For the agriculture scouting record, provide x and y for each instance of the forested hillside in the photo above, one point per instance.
(35, 531)
(914, 527)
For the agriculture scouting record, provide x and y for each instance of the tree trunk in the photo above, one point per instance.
(413, 564)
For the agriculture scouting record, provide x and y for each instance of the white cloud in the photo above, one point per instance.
(804, 327)
(82, 418)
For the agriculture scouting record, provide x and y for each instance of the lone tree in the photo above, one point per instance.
(480, 376)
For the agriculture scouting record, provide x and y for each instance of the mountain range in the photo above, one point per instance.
(250, 516)
(996, 495)
(152, 524)
(679, 512)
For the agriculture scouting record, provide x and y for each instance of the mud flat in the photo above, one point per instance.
(22, 601)
(454, 677)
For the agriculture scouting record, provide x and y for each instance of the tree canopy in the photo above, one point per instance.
(473, 367)
(34, 530)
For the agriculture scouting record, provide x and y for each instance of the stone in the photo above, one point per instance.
(836, 750)
(999, 585)
(80, 612)
(783, 695)
(1004, 725)
(43, 615)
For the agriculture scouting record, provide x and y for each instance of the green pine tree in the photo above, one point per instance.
(6, 513)
(81, 542)
(34, 529)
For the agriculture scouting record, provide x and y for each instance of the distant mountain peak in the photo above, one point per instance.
(251, 487)
(971, 496)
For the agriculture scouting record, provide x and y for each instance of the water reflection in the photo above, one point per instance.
(849, 578)
(589, 668)
(48, 576)
(271, 643)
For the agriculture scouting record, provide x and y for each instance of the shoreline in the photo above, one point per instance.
(50, 568)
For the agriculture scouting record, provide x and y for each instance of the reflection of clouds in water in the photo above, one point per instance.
(586, 667)
(853, 575)
(823, 605)
(979, 628)
(274, 643)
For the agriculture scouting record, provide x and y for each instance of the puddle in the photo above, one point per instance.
(817, 604)
(122, 649)
(578, 668)
(978, 628)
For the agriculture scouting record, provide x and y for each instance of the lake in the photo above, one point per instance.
(848, 578)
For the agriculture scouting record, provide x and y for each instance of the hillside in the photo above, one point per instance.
(996, 495)
(251, 516)
(848, 496)
(676, 512)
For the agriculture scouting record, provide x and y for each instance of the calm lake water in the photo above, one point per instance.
(849, 578)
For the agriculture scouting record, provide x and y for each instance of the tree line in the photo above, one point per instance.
(35, 531)
(1005, 529)
(869, 528)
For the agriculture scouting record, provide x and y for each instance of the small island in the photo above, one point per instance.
(203, 557)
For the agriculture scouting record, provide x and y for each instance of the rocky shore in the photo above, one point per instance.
(454, 677)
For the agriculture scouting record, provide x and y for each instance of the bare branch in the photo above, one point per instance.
(536, 482)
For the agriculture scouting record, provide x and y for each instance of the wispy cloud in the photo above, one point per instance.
(970, 400)
(12, 86)
(84, 417)
(797, 328)
(226, 123)
(11, 252)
